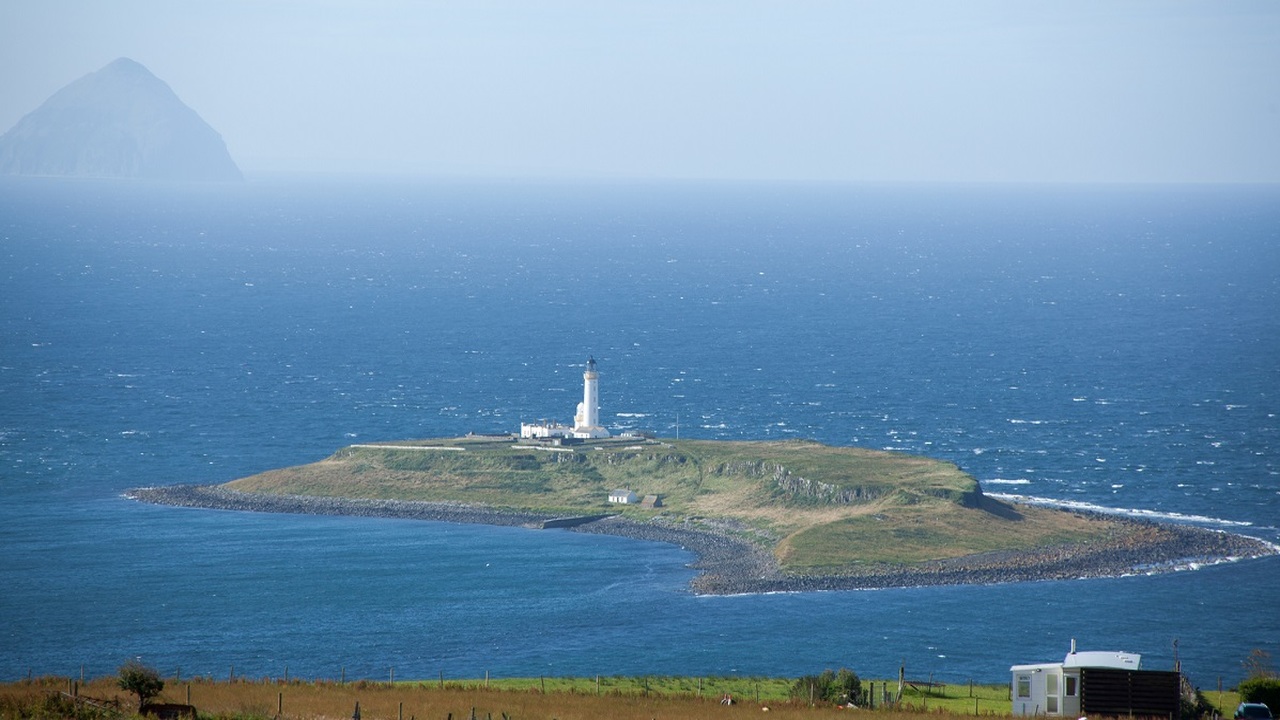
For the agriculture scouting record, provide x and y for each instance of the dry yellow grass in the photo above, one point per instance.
(913, 534)
(381, 701)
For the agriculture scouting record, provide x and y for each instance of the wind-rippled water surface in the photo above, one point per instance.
(1109, 347)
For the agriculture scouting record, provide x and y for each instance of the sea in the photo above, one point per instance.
(1113, 348)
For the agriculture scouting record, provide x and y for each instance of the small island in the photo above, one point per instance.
(759, 516)
(768, 516)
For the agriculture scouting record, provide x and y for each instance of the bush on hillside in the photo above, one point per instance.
(842, 687)
(1194, 705)
(140, 680)
(1262, 690)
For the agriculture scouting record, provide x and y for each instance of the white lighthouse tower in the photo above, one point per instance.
(586, 424)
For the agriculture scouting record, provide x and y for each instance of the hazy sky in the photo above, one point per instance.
(929, 90)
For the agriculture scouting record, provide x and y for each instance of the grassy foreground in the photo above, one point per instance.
(818, 509)
(563, 698)
(624, 698)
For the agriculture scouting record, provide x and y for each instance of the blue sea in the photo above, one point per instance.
(1111, 347)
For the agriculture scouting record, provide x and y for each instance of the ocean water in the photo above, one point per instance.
(1106, 347)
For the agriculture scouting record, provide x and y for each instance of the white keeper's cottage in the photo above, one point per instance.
(623, 497)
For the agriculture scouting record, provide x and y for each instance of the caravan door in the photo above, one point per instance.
(1052, 693)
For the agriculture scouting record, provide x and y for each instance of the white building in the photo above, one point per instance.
(623, 497)
(1055, 688)
(586, 423)
(545, 429)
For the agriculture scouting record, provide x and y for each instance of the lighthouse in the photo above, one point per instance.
(586, 424)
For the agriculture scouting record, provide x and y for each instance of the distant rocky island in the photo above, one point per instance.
(118, 122)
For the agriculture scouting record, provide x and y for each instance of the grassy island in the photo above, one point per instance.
(817, 508)
(761, 516)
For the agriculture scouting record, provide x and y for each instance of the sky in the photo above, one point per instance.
(796, 90)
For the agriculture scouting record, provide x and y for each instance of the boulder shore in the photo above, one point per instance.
(731, 565)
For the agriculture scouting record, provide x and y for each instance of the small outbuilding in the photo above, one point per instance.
(1095, 683)
(651, 501)
(623, 497)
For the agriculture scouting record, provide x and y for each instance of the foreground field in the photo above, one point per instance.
(624, 698)
(562, 698)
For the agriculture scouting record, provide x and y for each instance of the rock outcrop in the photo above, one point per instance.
(118, 122)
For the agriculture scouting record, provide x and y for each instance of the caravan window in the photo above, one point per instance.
(1024, 686)
(1051, 693)
(1071, 681)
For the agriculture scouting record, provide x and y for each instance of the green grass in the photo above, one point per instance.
(634, 698)
(821, 509)
(771, 689)
(565, 697)
(960, 698)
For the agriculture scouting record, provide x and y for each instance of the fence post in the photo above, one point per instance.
(279, 704)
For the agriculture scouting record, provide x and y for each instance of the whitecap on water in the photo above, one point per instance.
(1131, 512)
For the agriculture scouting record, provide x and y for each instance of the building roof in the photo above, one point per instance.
(1090, 659)
(1103, 659)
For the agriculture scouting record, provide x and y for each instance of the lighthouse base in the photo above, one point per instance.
(589, 432)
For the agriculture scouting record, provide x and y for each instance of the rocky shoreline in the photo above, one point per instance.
(730, 565)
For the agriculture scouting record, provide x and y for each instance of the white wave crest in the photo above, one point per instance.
(1010, 481)
(1128, 512)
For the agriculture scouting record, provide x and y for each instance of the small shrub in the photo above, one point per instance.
(49, 707)
(140, 680)
(1261, 690)
(841, 687)
(1194, 705)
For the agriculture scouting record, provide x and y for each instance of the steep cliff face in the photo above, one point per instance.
(120, 122)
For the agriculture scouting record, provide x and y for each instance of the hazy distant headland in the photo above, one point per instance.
(760, 516)
(118, 122)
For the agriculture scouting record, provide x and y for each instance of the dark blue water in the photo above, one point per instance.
(1114, 347)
